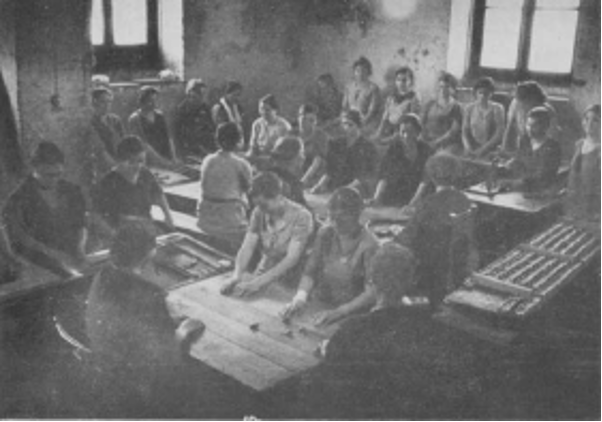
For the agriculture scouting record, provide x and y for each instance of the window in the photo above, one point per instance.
(124, 34)
(519, 39)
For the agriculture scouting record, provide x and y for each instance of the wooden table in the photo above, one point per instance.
(171, 178)
(183, 197)
(245, 338)
(515, 201)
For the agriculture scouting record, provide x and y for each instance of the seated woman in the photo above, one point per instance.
(444, 260)
(315, 143)
(281, 228)
(395, 361)
(363, 95)
(402, 168)
(228, 108)
(225, 180)
(442, 117)
(351, 160)
(327, 98)
(46, 215)
(336, 272)
(402, 101)
(484, 121)
(149, 124)
(286, 162)
(102, 138)
(130, 190)
(536, 164)
(193, 125)
(583, 193)
(132, 335)
(528, 95)
(266, 130)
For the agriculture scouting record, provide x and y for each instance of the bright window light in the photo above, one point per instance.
(130, 22)
(500, 38)
(553, 41)
(399, 9)
(97, 23)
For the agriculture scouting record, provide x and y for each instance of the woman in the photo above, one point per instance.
(46, 215)
(528, 95)
(279, 229)
(266, 130)
(484, 121)
(442, 117)
(315, 143)
(134, 339)
(445, 259)
(351, 160)
(402, 168)
(401, 102)
(228, 108)
(129, 191)
(225, 180)
(194, 128)
(286, 162)
(583, 196)
(363, 95)
(148, 123)
(337, 270)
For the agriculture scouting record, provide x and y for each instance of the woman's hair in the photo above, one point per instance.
(354, 116)
(133, 242)
(270, 101)
(365, 63)
(594, 108)
(287, 148)
(411, 119)
(392, 270)
(97, 93)
(232, 86)
(542, 115)
(266, 185)
(405, 70)
(129, 147)
(194, 84)
(530, 92)
(308, 109)
(145, 93)
(443, 169)
(326, 78)
(47, 153)
(227, 136)
(485, 83)
(346, 199)
(449, 79)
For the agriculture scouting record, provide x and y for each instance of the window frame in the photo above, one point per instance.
(109, 56)
(521, 72)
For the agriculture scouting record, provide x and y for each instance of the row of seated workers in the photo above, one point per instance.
(415, 156)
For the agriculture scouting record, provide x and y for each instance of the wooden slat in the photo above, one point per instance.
(257, 342)
(238, 362)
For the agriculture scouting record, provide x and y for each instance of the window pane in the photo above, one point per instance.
(505, 4)
(500, 38)
(558, 4)
(97, 23)
(553, 41)
(129, 22)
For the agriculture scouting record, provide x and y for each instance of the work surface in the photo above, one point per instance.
(516, 201)
(31, 279)
(245, 338)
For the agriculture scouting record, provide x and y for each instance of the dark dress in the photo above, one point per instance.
(396, 363)
(402, 174)
(541, 166)
(344, 163)
(58, 228)
(116, 198)
(194, 129)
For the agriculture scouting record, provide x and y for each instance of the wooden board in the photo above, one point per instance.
(168, 177)
(516, 201)
(247, 339)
